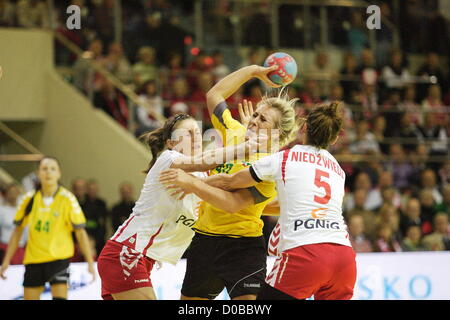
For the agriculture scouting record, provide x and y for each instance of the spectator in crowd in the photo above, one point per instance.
(112, 101)
(444, 206)
(358, 239)
(32, 14)
(413, 239)
(427, 210)
(310, 95)
(152, 103)
(205, 81)
(96, 214)
(83, 76)
(179, 97)
(431, 68)
(171, 71)
(439, 240)
(357, 33)
(145, 69)
(362, 181)
(117, 63)
(388, 214)
(433, 103)
(148, 33)
(385, 35)
(7, 13)
(122, 210)
(197, 66)
(7, 213)
(349, 75)
(322, 71)
(434, 136)
(220, 69)
(386, 183)
(368, 98)
(390, 109)
(385, 241)
(444, 174)
(429, 182)
(410, 106)
(378, 130)
(364, 140)
(398, 164)
(367, 70)
(411, 215)
(368, 216)
(395, 74)
(407, 132)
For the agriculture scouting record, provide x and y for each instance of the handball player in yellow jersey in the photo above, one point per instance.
(228, 249)
(52, 213)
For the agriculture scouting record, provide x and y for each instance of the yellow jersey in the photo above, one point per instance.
(50, 226)
(246, 222)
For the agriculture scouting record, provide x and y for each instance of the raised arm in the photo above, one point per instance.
(223, 89)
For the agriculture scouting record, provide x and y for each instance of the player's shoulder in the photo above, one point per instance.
(66, 194)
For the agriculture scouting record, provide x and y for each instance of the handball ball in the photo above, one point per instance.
(287, 68)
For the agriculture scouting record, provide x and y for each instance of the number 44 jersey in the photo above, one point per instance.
(310, 186)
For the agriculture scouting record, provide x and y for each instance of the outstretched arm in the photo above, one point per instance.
(230, 201)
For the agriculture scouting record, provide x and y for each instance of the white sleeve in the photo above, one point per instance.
(267, 168)
(166, 159)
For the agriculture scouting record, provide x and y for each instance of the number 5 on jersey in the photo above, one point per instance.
(322, 184)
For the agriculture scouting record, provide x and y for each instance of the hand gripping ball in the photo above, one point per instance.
(287, 68)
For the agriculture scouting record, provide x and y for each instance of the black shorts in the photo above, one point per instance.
(54, 272)
(215, 263)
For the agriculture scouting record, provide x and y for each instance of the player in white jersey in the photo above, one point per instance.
(315, 257)
(159, 228)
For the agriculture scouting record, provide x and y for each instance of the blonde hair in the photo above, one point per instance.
(288, 124)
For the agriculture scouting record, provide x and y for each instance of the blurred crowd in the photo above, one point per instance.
(397, 123)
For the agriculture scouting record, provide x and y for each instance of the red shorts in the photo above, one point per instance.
(325, 270)
(121, 269)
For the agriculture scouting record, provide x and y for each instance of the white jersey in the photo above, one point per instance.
(310, 186)
(159, 226)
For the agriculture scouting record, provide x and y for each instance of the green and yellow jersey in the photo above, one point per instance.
(50, 226)
(246, 222)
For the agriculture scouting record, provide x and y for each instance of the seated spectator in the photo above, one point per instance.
(391, 111)
(401, 169)
(433, 103)
(364, 141)
(388, 214)
(429, 182)
(112, 101)
(7, 13)
(430, 68)
(367, 69)
(358, 239)
(413, 239)
(198, 65)
(179, 97)
(385, 190)
(145, 69)
(220, 69)
(152, 103)
(407, 132)
(378, 130)
(122, 210)
(395, 74)
(434, 136)
(117, 63)
(368, 98)
(411, 215)
(7, 213)
(385, 241)
(349, 75)
(439, 240)
(444, 174)
(323, 73)
(171, 71)
(199, 110)
(83, 75)
(310, 94)
(410, 106)
(368, 216)
(444, 206)
(427, 209)
(32, 14)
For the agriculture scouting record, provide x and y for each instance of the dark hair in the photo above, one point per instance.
(156, 139)
(324, 124)
(39, 184)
